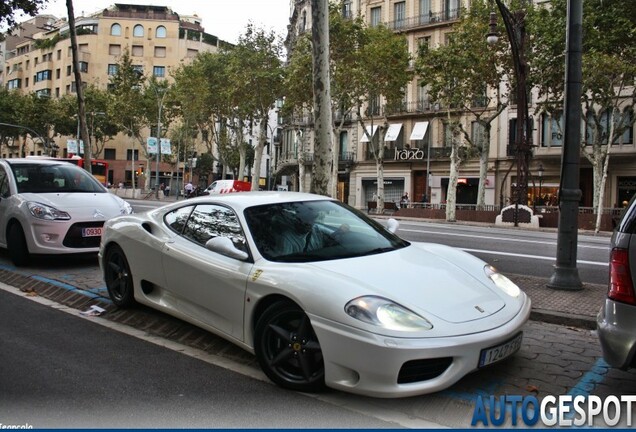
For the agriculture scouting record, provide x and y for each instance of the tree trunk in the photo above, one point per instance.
(258, 154)
(323, 160)
(79, 89)
(451, 193)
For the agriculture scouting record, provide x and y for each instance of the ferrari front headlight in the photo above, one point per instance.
(502, 282)
(45, 212)
(384, 313)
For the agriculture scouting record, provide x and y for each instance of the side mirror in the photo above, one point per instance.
(392, 225)
(225, 246)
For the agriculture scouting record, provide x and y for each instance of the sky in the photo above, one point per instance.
(225, 19)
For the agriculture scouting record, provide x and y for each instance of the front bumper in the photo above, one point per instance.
(53, 237)
(616, 324)
(360, 362)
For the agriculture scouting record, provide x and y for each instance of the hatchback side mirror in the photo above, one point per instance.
(392, 225)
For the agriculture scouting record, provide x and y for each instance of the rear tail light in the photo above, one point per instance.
(621, 288)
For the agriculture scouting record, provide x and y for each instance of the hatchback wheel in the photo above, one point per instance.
(288, 350)
(118, 277)
(17, 245)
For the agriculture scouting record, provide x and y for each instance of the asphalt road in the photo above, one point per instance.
(515, 251)
(61, 371)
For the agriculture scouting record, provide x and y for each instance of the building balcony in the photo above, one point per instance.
(425, 20)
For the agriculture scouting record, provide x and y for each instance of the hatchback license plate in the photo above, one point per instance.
(500, 352)
(91, 232)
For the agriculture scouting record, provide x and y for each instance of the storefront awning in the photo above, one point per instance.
(393, 132)
(419, 131)
(373, 130)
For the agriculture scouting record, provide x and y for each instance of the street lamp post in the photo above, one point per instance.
(516, 30)
(160, 97)
(541, 169)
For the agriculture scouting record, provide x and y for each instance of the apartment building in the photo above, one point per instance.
(156, 37)
(416, 156)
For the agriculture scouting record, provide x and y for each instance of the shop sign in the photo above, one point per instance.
(409, 154)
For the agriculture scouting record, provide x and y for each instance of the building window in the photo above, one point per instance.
(159, 71)
(551, 132)
(13, 84)
(83, 66)
(114, 50)
(138, 68)
(112, 69)
(57, 92)
(477, 134)
(425, 11)
(110, 154)
(129, 154)
(376, 16)
(115, 30)
(43, 93)
(42, 76)
(68, 70)
(137, 51)
(138, 31)
(344, 145)
(160, 32)
(399, 14)
(160, 52)
(346, 9)
(451, 9)
(628, 120)
(59, 54)
(423, 101)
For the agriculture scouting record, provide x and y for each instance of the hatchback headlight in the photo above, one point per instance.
(386, 314)
(502, 282)
(45, 212)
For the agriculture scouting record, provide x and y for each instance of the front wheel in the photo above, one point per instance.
(288, 350)
(17, 245)
(118, 277)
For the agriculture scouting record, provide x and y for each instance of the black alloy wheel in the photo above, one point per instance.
(118, 277)
(17, 245)
(288, 350)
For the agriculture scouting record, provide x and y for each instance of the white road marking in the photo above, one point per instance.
(508, 239)
(597, 263)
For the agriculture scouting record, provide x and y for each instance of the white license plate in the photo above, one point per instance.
(91, 232)
(500, 352)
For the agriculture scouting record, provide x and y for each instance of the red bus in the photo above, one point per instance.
(99, 167)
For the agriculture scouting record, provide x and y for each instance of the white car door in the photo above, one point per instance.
(4, 203)
(205, 285)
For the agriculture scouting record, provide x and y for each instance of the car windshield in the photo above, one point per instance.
(52, 178)
(316, 231)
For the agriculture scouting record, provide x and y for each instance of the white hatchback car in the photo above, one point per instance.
(52, 207)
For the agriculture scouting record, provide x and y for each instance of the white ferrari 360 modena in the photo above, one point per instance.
(319, 292)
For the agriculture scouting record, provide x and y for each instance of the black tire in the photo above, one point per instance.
(17, 245)
(118, 277)
(288, 350)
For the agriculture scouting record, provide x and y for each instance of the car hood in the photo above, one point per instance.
(84, 205)
(428, 279)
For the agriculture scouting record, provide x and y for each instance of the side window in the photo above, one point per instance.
(208, 221)
(4, 184)
(177, 219)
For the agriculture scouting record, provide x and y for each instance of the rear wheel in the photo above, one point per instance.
(118, 277)
(288, 350)
(17, 245)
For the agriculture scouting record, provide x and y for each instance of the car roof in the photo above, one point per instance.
(242, 200)
(33, 161)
